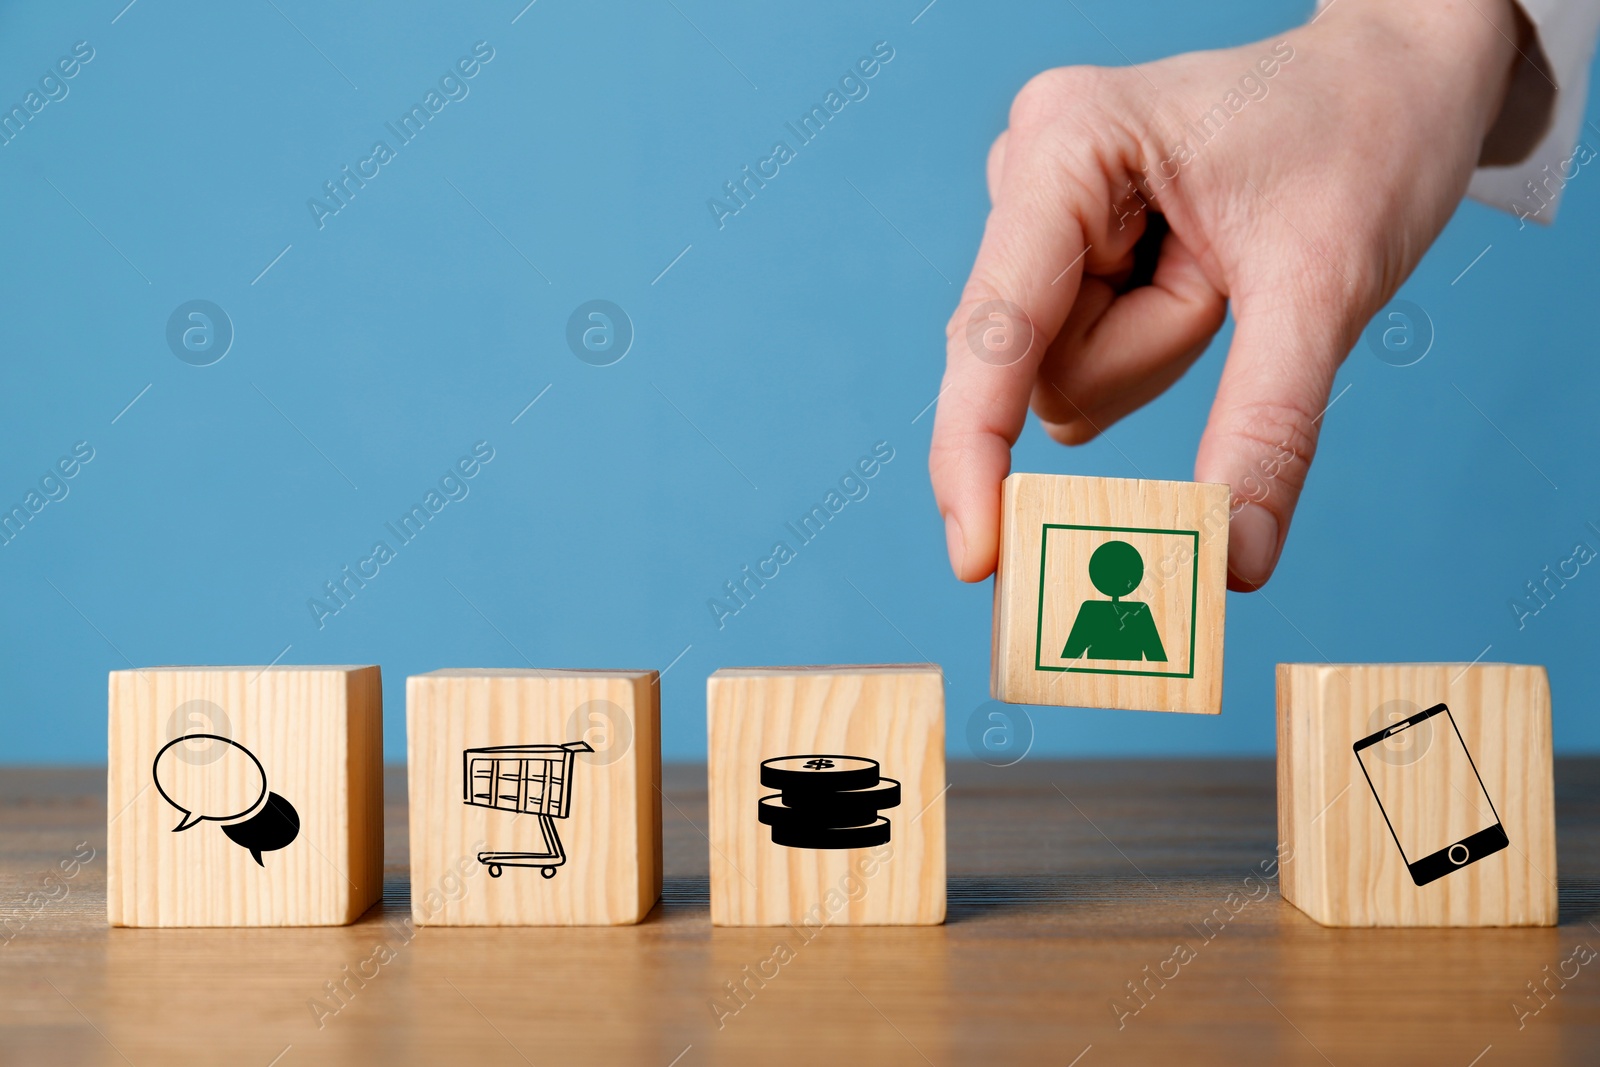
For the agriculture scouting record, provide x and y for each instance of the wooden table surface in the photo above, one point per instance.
(1067, 879)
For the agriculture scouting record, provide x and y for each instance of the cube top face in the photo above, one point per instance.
(827, 789)
(535, 797)
(189, 668)
(852, 669)
(1417, 794)
(244, 796)
(538, 672)
(1110, 593)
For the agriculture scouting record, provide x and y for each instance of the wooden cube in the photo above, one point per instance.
(244, 796)
(827, 795)
(1110, 593)
(535, 797)
(1417, 794)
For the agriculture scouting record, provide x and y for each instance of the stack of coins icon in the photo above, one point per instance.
(827, 801)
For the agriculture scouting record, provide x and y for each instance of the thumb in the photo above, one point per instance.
(1264, 424)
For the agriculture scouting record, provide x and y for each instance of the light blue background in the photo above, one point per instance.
(793, 339)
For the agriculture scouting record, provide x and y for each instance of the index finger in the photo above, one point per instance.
(1022, 286)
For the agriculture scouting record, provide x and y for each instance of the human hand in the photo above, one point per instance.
(1315, 170)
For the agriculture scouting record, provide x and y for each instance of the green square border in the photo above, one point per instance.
(1194, 599)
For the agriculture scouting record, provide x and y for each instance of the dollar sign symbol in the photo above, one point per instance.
(818, 764)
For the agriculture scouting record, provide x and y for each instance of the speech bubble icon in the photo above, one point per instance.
(273, 827)
(222, 790)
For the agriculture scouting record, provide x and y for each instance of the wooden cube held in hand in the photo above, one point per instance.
(1110, 593)
(1417, 794)
(244, 796)
(827, 796)
(535, 797)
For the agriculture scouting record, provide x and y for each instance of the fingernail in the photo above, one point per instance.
(956, 542)
(1252, 544)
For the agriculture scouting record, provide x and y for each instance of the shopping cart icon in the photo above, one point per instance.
(525, 780)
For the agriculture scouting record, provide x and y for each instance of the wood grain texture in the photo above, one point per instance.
(1042, 584)
(893, 714)
(1067, 879)
(611, 833)
(1347, 868)
(317, 733)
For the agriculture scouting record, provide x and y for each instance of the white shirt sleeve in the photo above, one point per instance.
(1547, 96)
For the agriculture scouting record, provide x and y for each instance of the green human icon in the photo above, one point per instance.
(1115, 628)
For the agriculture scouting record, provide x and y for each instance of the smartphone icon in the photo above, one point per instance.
(1430, 794)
